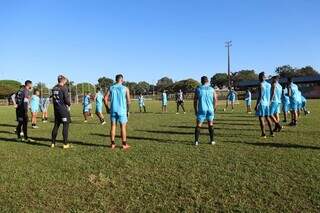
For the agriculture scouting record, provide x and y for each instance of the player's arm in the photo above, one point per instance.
(106, 101)
(66, 97)
(215, 96)
(195, 102)
(289, 91)
(259, 97)
(272, 92)
(26, 103)
(13, 99)
(128, 100)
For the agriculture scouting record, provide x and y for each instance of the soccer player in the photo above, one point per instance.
(141, 103)
(22, 101)
(205, 104)
(35, 108)
(61, 104)
(86, 106)
(293, 93)
(247, 99)
(231, 97)
(276, 92)
(99, 104)
(44, 105)
(164, 100)
(13, 99)
(180, 101)
(303, 105)
(118, 97)
(263, 103)
(285, 104)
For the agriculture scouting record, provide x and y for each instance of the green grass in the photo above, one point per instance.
(163, 171)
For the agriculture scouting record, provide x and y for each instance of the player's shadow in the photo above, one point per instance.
(215, 127)
(277, 145)
(158, 140)
(7, 132)
(8, 125)
(13, 140)
(233, 124)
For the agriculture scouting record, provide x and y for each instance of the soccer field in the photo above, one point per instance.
(163, 171)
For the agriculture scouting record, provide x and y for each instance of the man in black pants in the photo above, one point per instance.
(22, 103)
(61, 104)
(180, 101)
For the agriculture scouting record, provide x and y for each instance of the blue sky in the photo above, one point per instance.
(149, 39)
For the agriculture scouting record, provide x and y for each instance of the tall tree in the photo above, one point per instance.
(306, 71)
(164, 83)
(285, 71)
(105, 82)
(44, 90)
(244, 75)
(219, 80)
(143, 87)
(188, 85)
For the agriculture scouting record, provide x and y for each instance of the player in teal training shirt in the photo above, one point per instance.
(99, 105)
(205, 103)
(285, 104)
(293, 93)
(247, 99)
(263, 103)
(35, 108)
(164, 101)
(276, 93)
(118, 102)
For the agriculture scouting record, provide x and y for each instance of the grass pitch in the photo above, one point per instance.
(163, 171)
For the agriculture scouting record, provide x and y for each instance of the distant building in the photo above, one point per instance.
(309, 85)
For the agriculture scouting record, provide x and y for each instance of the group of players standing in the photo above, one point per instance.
(117, 102)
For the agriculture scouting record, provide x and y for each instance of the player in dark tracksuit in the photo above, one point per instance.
(22, 102)
(61, 104)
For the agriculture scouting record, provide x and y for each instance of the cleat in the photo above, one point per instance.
(52, 145)
(126, 146)
(177, 113)
(85, 121)
(184, 112)
(103, 123)
(263, 136)
(213, 143)
(35, 127)
(21, 134)
(272, 135)
(30, 140)
(224, 110)
(196, 143)
(66, 146)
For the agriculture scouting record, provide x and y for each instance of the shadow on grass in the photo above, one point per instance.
(276, 145)
(7, 132)
(8, 125)
(215, 127)
(158, 140)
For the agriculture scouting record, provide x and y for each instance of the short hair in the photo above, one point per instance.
(289, 79)
(61, 78)
(204, 79)
(261, 75)
(276, 77)
(27, 82)
(98, 88)
(118, 77)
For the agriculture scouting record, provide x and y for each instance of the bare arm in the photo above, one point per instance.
(195, 103)
(272, 92)
(215, 96)
(128, 99)
(259, 97)
(106, 101)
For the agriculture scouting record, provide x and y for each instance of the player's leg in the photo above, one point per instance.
(197, 132)
(25, 128)
(182, 106)
(140, 108)
(54, 132)
(178, 107)
(232, 105)
(85, 115)
(19, 126)
(123, 119)
(211, 132)
(65, 134)
(144, 108)
(269, 124)
(114, 118)
(263, 132)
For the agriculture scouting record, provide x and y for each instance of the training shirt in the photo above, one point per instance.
(141, 100)
(205, 95)
(248, 96)
(232, 95)
(265, 90)
(86, 101)
(179, 96)
(22, 100)
(35, 101)
(277, 93)
(61, 100)
(294, 97)
(118, 99)
(99, 98)
(164, 97)
(285, 98)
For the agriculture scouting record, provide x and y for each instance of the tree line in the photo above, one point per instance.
(220, 80)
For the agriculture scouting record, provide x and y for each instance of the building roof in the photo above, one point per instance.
(298, 80)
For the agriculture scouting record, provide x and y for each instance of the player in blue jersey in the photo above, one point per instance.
(299, 103)
(99, 105)
(276, 93)
(86, 106)
(231, 98)
(293, 93)
(118, 102)
(304, 105)
(247, 99)
(263, 103)
(141, 103)
(285, 104)
(205, 105)
(44, 105)
(22, 102)
(164, 101)
(35, 108)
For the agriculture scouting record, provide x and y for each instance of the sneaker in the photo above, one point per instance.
(263, 136)
(196, 143)
(35, 127)
(213, 143)
(52, 145)
(30, 140)
(184, 112)
(113, 146)
(126, 146)
(21, 134)
(103, 123)
(85, 121)
(66, 146)
(177, 113)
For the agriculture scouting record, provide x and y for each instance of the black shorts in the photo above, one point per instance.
(62, 117)
(21, 115)
(180, 102)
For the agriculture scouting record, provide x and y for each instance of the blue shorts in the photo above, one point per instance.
(274, 108)
(86, 109)
(263, 111)
(98, 108)
(164, 103)
(115, 117)
(34, 109)
(294, 106)
(202, 116)
(285, 107)
(248, 103)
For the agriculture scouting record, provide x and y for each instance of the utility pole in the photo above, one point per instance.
(228, 44)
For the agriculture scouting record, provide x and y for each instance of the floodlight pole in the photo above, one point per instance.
(228, 44)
